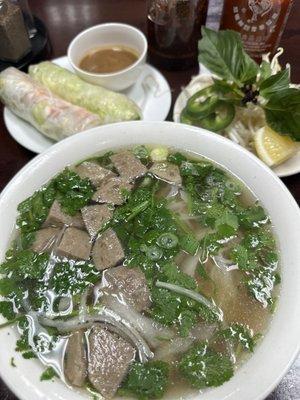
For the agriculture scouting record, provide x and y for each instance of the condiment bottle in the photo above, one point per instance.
(13, 34)
(260, 22)
(174, 28)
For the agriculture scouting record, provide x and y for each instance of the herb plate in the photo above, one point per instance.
(24, 379)
(288, 168)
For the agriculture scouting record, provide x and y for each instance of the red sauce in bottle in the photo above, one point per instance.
(260, 22)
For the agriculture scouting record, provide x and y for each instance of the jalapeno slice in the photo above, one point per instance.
(222, 116)
(185, 118)
(202, 103)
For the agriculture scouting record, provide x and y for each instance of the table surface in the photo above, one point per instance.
(66, 18)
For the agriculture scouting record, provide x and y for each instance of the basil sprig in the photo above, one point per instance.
(242, 80)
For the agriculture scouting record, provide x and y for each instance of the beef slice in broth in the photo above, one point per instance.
(127, 284)
(107, 251)
(109, 359)
(128, 166)
(94, 172)
(95, 217)
(167, 172)
(75, 244)
(57, 217)
(76, 359)
(110, 191)
(45, 239)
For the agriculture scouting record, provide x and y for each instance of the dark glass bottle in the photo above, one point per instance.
(174, 29)
(260, 22)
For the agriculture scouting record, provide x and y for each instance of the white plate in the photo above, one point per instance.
(290, 167)
(151, 92)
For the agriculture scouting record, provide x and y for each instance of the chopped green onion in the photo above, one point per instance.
(159, 154)
(167, 241)
(154, 253)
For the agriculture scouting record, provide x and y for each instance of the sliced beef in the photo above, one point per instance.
(76, 359)
(58, 217)
(128, 284)
(128, 166)
(110, 357)
(75, 244)
(167, 172)
(110, 191)
(95, 217)
(107, 251)
(94, 172)
(44, 239)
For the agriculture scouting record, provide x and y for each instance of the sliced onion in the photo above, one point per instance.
(105, 316)
(83, 306)
(193, 295)
(53, 358)
(173, 191)
(224, 264)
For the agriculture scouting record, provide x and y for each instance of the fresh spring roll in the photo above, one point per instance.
(108, 105)
(48, 113)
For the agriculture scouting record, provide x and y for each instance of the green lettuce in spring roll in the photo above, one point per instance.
(108, 105)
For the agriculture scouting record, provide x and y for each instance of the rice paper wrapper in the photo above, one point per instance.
(52, 116)
(109, 106)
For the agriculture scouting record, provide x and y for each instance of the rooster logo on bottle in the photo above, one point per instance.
(259, 8)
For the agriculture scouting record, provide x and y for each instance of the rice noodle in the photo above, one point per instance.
(180, 345)
(189, 264)
(193, 295)
(151, 330)
(105, 316)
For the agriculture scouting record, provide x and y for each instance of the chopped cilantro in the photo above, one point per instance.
(73, 192)
(34, 210)
(146, 381)
(239, 334)
(48, 374)
(203, 367)
(7, 310)
(189, 243)
(73, 277)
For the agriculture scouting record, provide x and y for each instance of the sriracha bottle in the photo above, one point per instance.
(260, 22)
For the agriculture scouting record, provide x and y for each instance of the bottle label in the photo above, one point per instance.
(257, 21)
(259, 16)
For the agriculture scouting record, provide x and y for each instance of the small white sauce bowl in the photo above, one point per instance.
(102, 36)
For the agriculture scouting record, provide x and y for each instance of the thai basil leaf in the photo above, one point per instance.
(223, 54)
(283, 112)
(265, 71)
(275, 83)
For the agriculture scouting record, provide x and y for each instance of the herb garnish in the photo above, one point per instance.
(239, 80)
